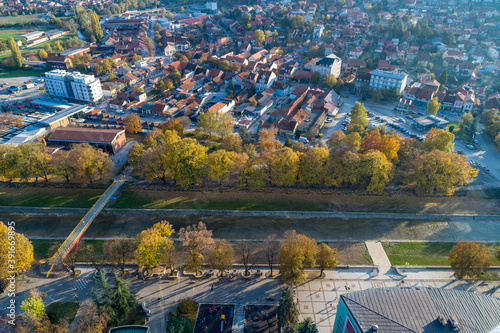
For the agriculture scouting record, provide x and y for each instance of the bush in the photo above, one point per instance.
(187, 306)
(177, 323)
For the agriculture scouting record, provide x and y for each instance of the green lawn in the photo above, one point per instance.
(40, 197)
(19, 19)
(154, 200)
(16, 33)
(62, 311)
(424, 254)
(37, 47)
(6, 73)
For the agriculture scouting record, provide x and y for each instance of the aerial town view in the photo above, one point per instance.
(250, 166)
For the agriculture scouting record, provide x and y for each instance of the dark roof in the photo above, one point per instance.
(326, 61)
(404, 309)
(76, 134)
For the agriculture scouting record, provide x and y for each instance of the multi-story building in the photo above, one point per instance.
(73, 86)
(329, 65)
(388, 80)
(318, 31)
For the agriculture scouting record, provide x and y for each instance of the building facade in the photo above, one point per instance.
(73, 86)
(329, 65)
(388, 80)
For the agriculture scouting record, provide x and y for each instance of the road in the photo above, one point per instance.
(86, 221)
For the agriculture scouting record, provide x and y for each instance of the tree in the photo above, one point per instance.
(120, 251)
(152, 243)
(195, 238)
(439, 139)
(232, 142)
(469, 259)
(89, 163)
(221, 256)
(132, 123)
(393, 93)
(376, 169)
(170, 16)
(23, 254)
(33, 305)
(157, 27)
(42, 54)
(16, 53)
(88, 254)
(116, 298)
(135, 153)
(182, 10)
(443, 78)
(376, 95)
(219, 165)
(326, 258)
(268, 142)
(155, 163)
(92, 319)
(315, 77)
(183, 58)
(328, 81)
(245, 251)
(312, 166)
(296, 252)
(336, 140)
(96, 27)
(433, 106)
(448, 37)
(288, 312)
(438, 171)
(246, 18)
(187, 159)
(359, 118)
(308, 326)
(283, 166)
(270, 248)
(259, 36)
(214, 122)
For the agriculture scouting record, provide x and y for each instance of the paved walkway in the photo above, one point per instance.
(379, 257)
(239, 319)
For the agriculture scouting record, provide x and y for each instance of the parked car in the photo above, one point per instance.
(471, 147)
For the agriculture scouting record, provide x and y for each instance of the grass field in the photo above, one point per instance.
(60, 312)
(424, 254)
(37, 47)
(16, 33)
(166, 200)
(49, 197)
(19, 18)
(6, 73)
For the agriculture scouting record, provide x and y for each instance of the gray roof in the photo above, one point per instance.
(405, 309)
(390, 75)
(69, 112)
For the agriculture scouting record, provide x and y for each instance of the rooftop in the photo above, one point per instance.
(390, 75)
(417, 309)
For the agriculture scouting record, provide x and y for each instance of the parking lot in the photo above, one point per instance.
(8, 98)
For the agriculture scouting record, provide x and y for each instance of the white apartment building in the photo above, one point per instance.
(73, 86)
(329, 65)
(388, 80)
(318, 31)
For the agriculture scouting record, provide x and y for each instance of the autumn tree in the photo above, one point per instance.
(343, 167)
(29, 160)
(152, 243)
(92, 319)
(96, 27)
(259, 36)
(188, 158)
(16, 53)
(132, 123)
(89, 163)
(288, 311)
(120, 251)
(196, 239)
(219, 165)
(23, 252)
(433, 106)
(469, 259)
(155, 163)
(33, 305)
(268, 142)
(283, 166)
(359, 118)
(245, 252)
(336, 140)
(214, 122)
(221, 256)
(135, 153)
(437, 171)
(42, 54)
(328, 81)
(439, 139)
(312, 166)
(376, 169)
(232, 142)
(326, 257)
(296, 252)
